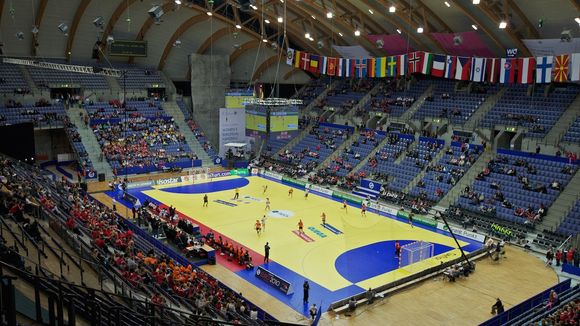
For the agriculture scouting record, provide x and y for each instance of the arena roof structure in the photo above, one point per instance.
(260, 29)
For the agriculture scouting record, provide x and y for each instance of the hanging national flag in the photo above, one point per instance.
(381, 67)
(438, 68)
(314, 63)
(462, 68)
(575, 67)
(544, 69)
(371, 69)
(561, 63)
(492, 70)
(477, 69)
(507, 73)
(305, 61)
(415, 62)
(290, 57)
(392, 66)
(450, 63)
(339, 64)
(297, 56)
(323, 65)
(350, 68)
(360, 68)
(427, 63)
(331, 69)
(402, 64)
(526, 70)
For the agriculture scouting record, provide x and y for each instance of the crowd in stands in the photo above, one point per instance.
(496, 188)
(115, 246)
(147, 142)
(568, 315)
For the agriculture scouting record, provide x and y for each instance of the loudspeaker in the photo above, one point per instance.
(101, 177)
(84, 186)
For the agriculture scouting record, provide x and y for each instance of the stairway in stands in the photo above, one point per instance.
(33, 88)
(320, 97)
(420, 176)
(347, 143)
(413, 108)
(561, 206)
(173, 110)
(555, 134)
(90, 142)
(372, 153)
(467, 179)
(483, 109)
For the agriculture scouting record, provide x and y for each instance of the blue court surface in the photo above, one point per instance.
(344, 258)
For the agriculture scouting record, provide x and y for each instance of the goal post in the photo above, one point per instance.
(415, 252)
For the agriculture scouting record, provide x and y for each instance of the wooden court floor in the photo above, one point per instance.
(433, 302)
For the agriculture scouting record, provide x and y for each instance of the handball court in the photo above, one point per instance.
(345, 257)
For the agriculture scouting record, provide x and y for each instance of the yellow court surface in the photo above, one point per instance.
(315, 260)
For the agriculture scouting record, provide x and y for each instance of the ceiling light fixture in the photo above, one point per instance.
(265, 40)
(209, 13)
(577, 19)
(280, 19)
(371, 11)
(502, 24)
(329, 15)
(392, 9)
(419, 30)
(339, 33)
(447, 4)
(475, 2)
(399, 31)
(177, 2)
(238, 26)
(307, 35)
(474, 27)
(357, 32)
(266, 21)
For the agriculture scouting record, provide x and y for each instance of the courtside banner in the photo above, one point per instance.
(418, 218)
(298, 183)
(273, 175)
(384, 208)
(168, 181)
(321, 190)
(219, 174)
(140, 184)
(464, 233)
(274, 280)
(240, 172)
(348, 197)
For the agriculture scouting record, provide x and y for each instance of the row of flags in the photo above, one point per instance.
(545, 69)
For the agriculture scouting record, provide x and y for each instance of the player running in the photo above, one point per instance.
(264, 223)
(344, 206)
(237, 195)
(411, 219)
(291, 192)
(205, 200)
(363, 210)
(267, 204)
(306, 192)
(258, 227)
(323, 216)
(265, 188)
(300, 227)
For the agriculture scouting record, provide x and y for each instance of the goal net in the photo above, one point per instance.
(415, 252)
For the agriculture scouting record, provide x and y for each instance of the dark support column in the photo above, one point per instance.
(8, 300)
(51, 312)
